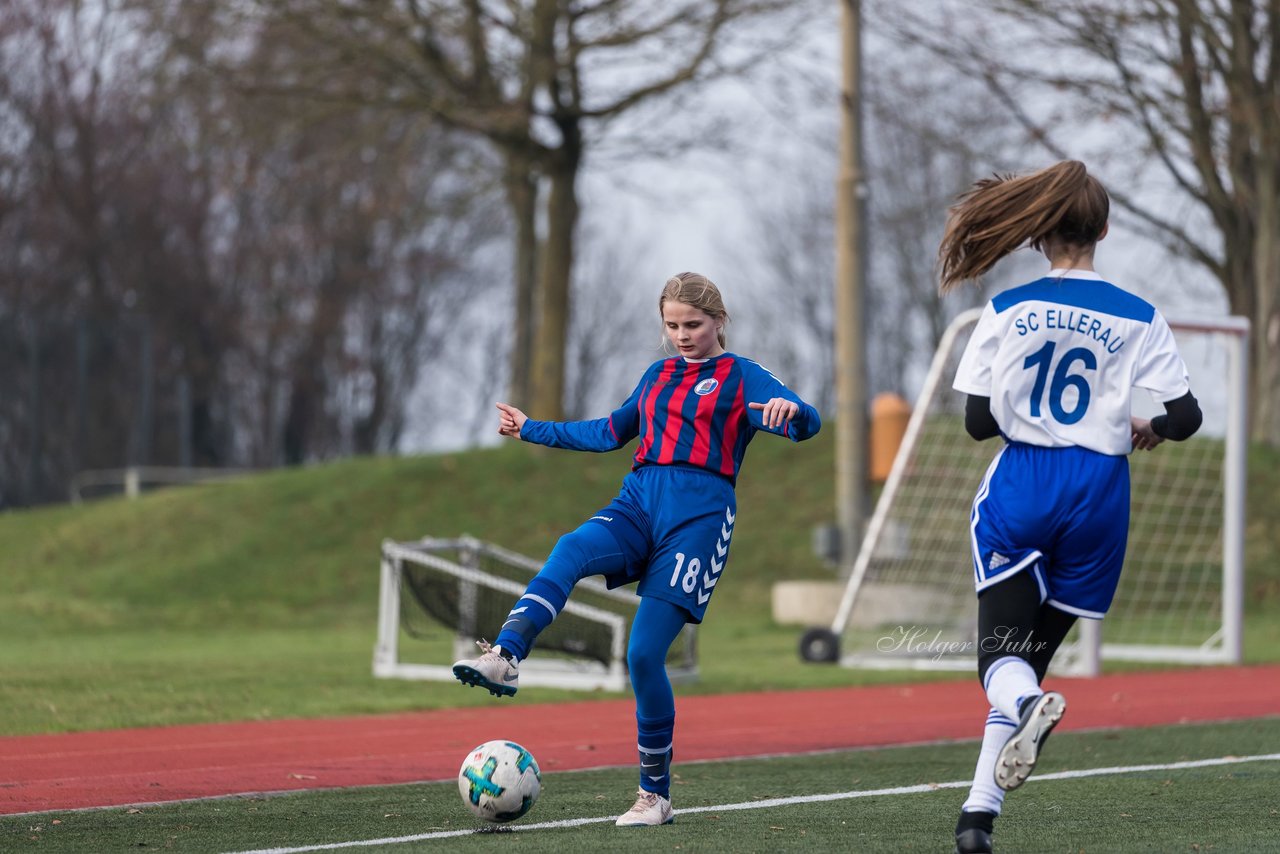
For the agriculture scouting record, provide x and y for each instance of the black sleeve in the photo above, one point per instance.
(1181, 419)
(978, 420)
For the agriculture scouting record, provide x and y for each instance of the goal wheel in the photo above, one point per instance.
(820, 645)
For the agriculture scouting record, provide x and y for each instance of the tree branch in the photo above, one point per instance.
(1200, 133)
(683, 74)
(1041, 135)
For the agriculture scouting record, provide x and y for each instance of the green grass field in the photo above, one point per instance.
(257, 598)
(1223, 807)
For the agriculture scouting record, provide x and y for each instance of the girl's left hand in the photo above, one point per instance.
(1144, 438)
(777, 411)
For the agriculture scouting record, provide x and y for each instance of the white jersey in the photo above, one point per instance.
(1059, 358)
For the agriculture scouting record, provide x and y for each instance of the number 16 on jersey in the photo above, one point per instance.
(1042, 360)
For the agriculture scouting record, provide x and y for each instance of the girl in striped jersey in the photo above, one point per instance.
(670, 527)
(1050, 368)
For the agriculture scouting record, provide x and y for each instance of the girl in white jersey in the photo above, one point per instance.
(1050, 368)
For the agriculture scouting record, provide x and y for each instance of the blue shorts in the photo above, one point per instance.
(1060, 513)
(674, 524)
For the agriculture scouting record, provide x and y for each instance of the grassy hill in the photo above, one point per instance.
(257, 597)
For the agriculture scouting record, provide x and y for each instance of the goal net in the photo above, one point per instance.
(909, 600)
(438, 596)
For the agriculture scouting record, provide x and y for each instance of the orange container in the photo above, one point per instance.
(889, 416)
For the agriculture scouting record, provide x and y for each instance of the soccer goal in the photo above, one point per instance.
(438, 596)
(909, 601)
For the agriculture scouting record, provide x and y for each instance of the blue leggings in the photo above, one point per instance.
(592, 550)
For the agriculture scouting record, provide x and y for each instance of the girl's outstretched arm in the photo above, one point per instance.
(599, 434)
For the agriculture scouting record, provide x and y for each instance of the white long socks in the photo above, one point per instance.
(1011, 680)
(985, 795)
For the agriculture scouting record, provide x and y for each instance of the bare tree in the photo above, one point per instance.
(923, 147)
(468, 333)
(1184, 90)
(791, 271)
(92, 234)
(353, 234)
(615, 330)
(536, 79)
(189, 276)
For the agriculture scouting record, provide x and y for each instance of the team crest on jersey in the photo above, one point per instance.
(706, 386)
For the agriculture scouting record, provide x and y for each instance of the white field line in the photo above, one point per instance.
(781, 802)
(746, 757)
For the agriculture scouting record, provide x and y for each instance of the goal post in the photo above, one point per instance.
(436, 597)
(908, 602)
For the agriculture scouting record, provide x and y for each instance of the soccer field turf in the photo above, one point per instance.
(891, 799)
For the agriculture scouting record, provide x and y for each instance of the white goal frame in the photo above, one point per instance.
(546, 671)
(1084, 657)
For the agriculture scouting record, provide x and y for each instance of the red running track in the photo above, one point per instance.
(118, 767)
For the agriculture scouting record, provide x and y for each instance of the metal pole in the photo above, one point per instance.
(1090, 660)
(851, 370)
(1234, 477)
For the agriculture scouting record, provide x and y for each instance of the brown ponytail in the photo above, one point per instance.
(1003, 213)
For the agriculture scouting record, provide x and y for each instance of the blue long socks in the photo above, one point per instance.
(656, 626)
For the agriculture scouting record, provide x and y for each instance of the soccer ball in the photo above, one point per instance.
(499, 781)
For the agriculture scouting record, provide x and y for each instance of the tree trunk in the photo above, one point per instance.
(1265, 342)
(522, 196)
(556, 272)
(367, 429)
(296, 438)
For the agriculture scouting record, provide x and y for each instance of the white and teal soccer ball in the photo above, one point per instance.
(499, 781)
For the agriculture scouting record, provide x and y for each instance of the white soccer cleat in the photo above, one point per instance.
(1018, 756)
(493, 670)
(650, 809)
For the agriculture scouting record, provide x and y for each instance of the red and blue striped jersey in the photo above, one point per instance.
(685, 413)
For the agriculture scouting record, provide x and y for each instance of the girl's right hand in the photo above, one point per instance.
(510, 420)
